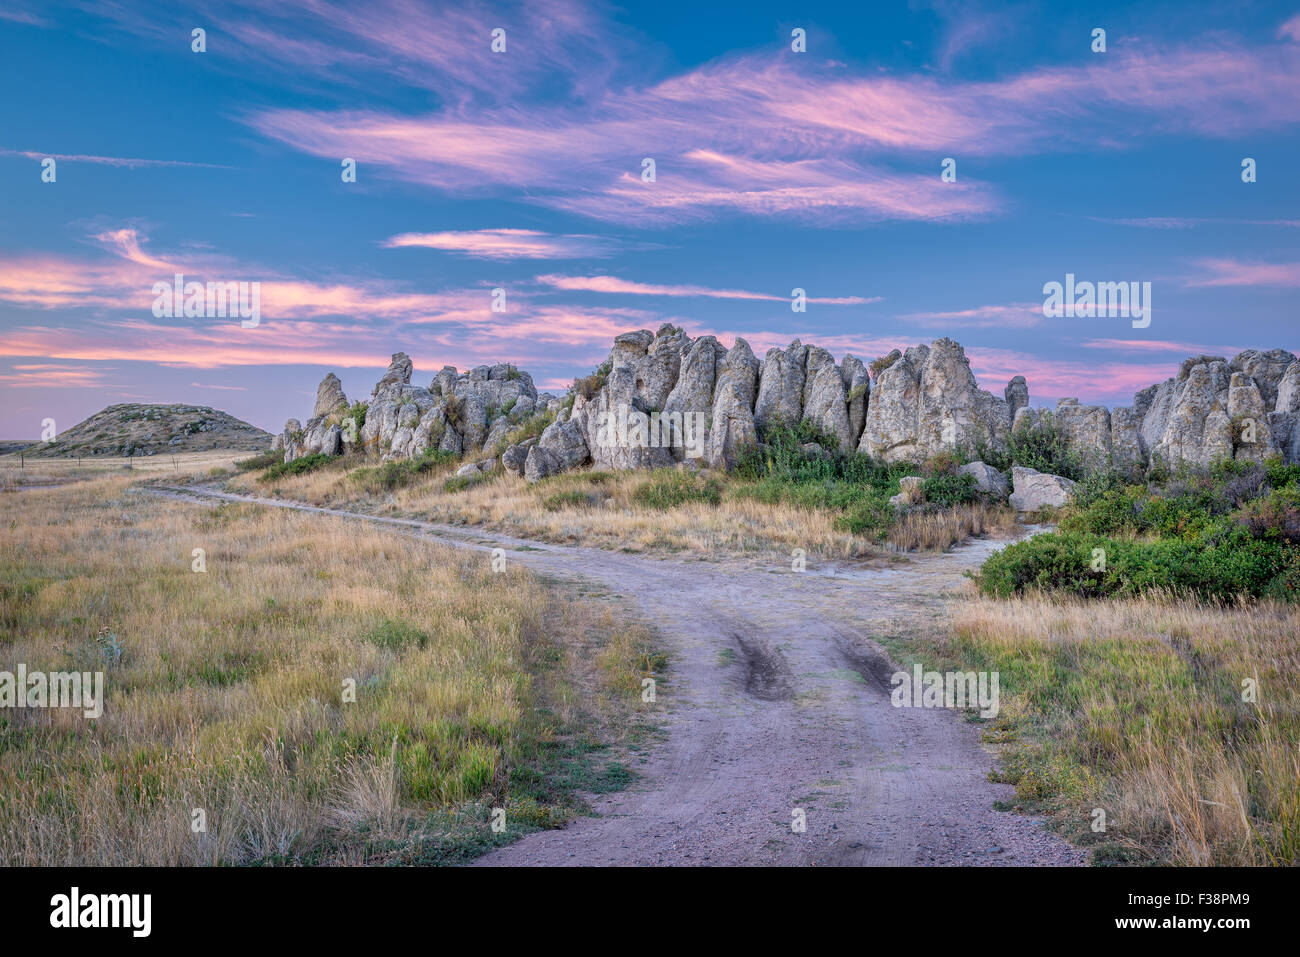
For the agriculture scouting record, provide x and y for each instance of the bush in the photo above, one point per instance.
(871, 517)
(949, 489)
(357, 413)
(299, 466)
(1219, 568)
(1275, 517)
(262, 460)
(573, 498)
(459, 483)
(881, 363)
(669, 488)
(589, 385)
(394, 475)
(1044, 446)
(529, 428)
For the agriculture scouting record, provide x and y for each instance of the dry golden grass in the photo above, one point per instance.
(228, 696)
(1136, 707)
(601, 509)
(939, 530)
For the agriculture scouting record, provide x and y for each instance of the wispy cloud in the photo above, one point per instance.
(54, 375)
(509, 244)
(1290, 30)
(1233, 272)
(121, 161)
(1189, 222)
(1161, 345)
(760, 135)
(1015, 315)
(612, 284)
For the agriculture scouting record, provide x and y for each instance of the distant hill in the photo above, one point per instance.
(135, 429)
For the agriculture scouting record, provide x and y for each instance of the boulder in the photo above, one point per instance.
(1126, 449)
(513, 458)
(910, 492)
(988, 480)
(541, 463)
(1265, 368)
(890, 431)
(566, 441)
(1034, 490)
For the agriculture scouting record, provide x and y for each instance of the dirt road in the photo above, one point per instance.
(777, 703)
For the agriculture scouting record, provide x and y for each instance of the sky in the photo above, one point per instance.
(522, 169)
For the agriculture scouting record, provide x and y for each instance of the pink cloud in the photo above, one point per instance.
(612, 284)
(508, 244)
(763, 136)
(1232, 272)
(1160, 345)
(1097, 382)
(1016, 315)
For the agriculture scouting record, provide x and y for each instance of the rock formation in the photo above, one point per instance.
(461, 412)
(663, 398)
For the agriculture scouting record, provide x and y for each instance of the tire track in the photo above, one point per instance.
(795, 720)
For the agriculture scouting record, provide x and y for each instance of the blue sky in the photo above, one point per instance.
(522, 170)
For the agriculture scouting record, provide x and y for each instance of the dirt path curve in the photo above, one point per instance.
(776, 700)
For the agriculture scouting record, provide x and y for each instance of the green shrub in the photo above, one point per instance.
(1220, 567)
(858, 486)
(871, 516)
(1044, 446)
(669, 488)
(1275, 517)
(572, 498)
(394, 475)
(357, 413)
(459, 483)
(881, 363)
(396, 635)
(589, 385)
(262, 460)
(949, 489)
(529, 428)
(299, 466)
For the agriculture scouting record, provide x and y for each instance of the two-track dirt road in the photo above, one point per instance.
(776, 700)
